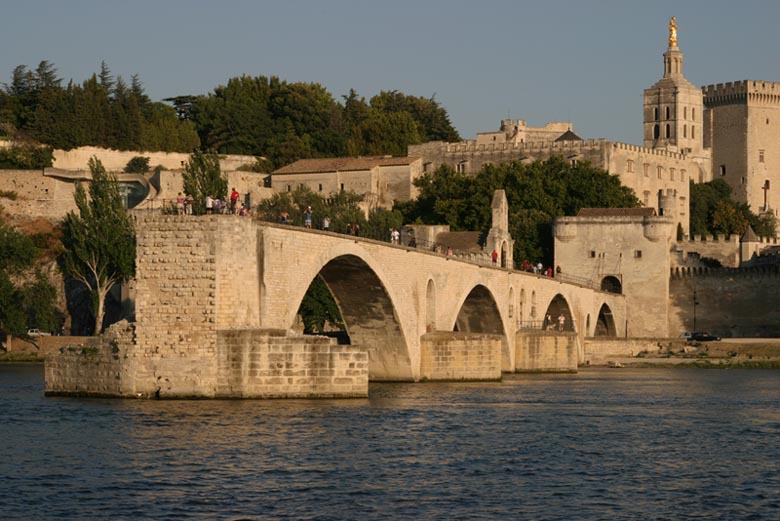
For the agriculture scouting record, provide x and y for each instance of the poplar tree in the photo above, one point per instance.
(99, 239)
(203, 177)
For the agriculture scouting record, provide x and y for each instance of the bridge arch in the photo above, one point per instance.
(560, 306)
(605, 324)
(479, 312)
(611, 284)
(367, 307)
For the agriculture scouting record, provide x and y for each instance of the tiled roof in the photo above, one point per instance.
(749, 235)
(568, 136)
(616, 212)
(343, 164)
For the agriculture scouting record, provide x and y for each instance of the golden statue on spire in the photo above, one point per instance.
(673, 32)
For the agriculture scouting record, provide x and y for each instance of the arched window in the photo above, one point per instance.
(685, 130)
(693, 132)
(655, 113)
(611, 284)
(656, 132)
(685, 112)
(668, 130)
(668, 112)
(693, 114)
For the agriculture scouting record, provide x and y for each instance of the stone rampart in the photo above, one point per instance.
(724, 249)
(116, 160)
(447, 355)
(728, 302)
(543, 351)
(270, 364)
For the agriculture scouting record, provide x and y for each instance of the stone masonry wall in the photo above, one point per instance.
(544, 351)
(460, 356)
(100, 367)
(601, 350)
(176, 303)
(269, 364)
(730, 302)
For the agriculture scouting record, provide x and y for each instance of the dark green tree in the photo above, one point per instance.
(99, 239)
(203, 177)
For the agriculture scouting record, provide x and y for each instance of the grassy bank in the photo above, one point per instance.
(16, 358)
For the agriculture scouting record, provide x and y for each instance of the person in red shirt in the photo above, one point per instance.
(233, 200)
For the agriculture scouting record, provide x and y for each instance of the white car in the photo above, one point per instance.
(37, 332)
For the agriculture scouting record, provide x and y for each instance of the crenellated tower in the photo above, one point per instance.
(673, 107)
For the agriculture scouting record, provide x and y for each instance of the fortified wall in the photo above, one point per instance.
(116, 160)
(724, 249)
(726, 302)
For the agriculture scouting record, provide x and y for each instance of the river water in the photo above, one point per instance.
(601, 444)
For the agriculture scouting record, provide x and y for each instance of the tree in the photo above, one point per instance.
(203, 177)
(99, 240)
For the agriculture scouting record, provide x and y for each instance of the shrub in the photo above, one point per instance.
(26, 157)
(137, 165)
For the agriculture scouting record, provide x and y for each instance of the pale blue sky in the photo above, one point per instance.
(585, 61)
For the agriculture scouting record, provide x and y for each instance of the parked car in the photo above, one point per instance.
(37, 332)
(704, 337)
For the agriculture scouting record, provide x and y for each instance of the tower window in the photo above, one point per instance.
(693, 117)
(722, 169)
(682, 175)
(685, 130)
(668, 112)
(671, 174)
(743, 180)
(760, 156)
(592, 254)
(693, 132)
(685, 112)
(629, 166)
(655, 113)
(289, 188)
(320, 187)
(660, 171)
(637, 254)
(656, 132)
(668, 130)
(647, 169)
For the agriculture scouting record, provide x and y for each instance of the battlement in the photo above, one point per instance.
(726, 273)
(472, 146)
(709, 239)
(741, 91)
(647, 151)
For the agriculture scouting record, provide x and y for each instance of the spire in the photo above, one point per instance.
(673, 58)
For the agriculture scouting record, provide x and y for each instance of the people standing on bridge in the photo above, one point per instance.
(356, 230)
(326, 223)
(494, 256)
(209, 204)
(561, 321)
(395, 236)
(549, 271)
(284, 218)
(180, 204)
(234, 195)
(307, 217)
(548, 322)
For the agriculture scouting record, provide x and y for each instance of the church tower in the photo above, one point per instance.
(673, 107)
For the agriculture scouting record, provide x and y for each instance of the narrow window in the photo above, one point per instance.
(685, 130)
(660, 171)
(668, 130)
(289, 188)
(342, 187)
(743, 180)
(668, 112)
(637, 254)
(656, 132)
(671, 174)
(693, 132)
(682, 175)
(320, 187)
(630, 166)
(592, 254)
(693, 117)
(655, 113)
(760, 156)
(685, 112)
(647, 169)
(722, 170)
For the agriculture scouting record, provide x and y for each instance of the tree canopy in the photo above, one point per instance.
(99, 240)
(536, 193)
(27, 298)
(714, 212)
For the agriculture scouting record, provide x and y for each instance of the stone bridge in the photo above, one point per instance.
(205, 281)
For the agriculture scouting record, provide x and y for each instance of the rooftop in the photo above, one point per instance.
(343, 164)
